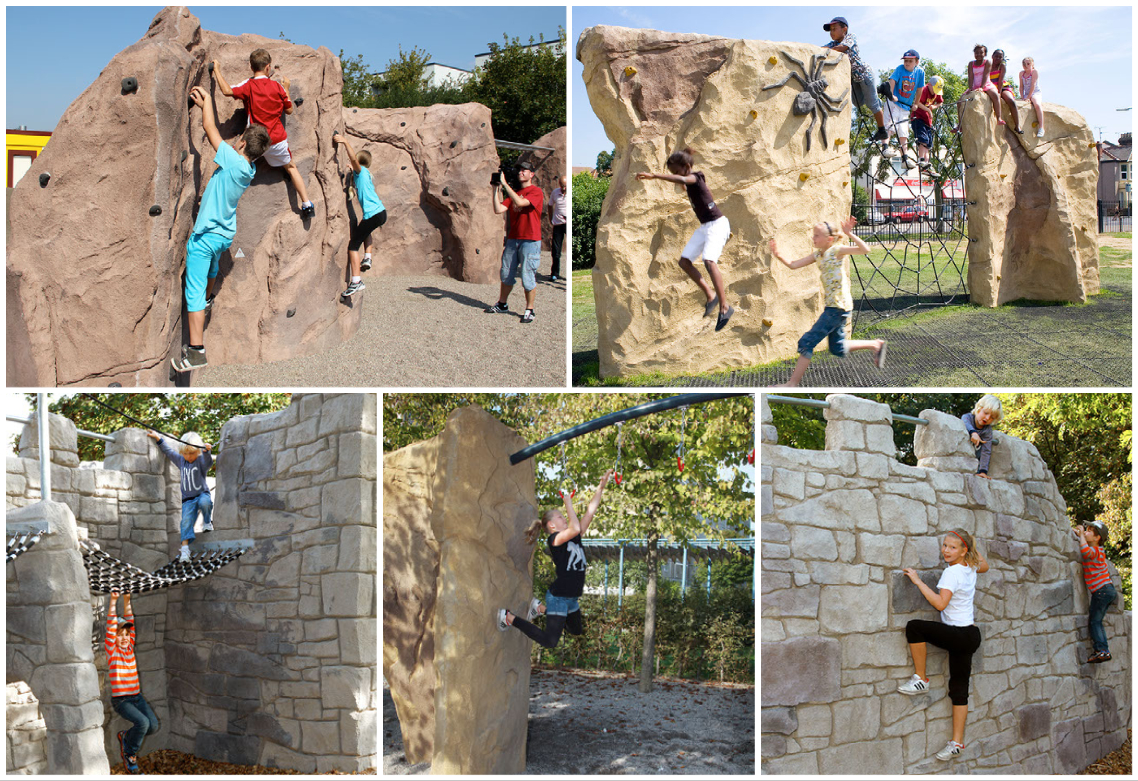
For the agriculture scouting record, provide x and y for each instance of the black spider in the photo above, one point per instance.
(814, 100)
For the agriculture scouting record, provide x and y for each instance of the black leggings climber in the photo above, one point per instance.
(554, 625)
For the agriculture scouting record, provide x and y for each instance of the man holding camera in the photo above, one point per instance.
(523, 237)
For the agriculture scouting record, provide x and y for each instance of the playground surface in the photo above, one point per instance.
(588, 723)
(1022, 344)
(428, 331)
(168, 762)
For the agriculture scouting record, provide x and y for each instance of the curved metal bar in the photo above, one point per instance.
(639, 411)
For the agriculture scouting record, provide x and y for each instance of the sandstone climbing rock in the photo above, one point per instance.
(658, 92)
(431, 168)
(1035, 214)
(454, 513)
(549, 167)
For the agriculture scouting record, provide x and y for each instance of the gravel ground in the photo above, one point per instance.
(428, 331)
(583, 723)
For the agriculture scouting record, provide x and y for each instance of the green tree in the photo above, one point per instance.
(860, 203)
(403, 84)
(604, 162)
(588, 198)
(358, 81)
(524, 87)
(171, 413)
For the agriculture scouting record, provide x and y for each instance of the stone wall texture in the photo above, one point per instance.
(26, 732)
(839, 525)
(454, 514)
(1034, 225)
(657, 93)
(270, 660)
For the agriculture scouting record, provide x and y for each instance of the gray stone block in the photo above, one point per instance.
(780, 720)
(258, 459)
(284, 571)
(237, 661)
(76, 753)
(320, 559)
(74, 718)
(883, 756)
(266, 726)
(906, 597)
(237, 749)
(1070, 748)
(342, 413)
(801, 670)
(358, 732)
(809, 542)
(303, 433)
(358, 549)
(26, 623)
(343, 502)
(320, 737)
(348, 594)
(856, 720)
(358, 640)
(1034, 721)
(345, 687)
(266, 499)
(846, 609)
(772, 746)
(802, 602)
(69, 632)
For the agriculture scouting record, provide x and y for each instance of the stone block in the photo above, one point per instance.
(902, 515)
(358, 546)
(319, 559)
(269, 500)
(76, 753)
(801, 670)
(884, 756)
(347, 502)
(284, 571)
(780, 720)
(68, 639)
(1034, 721)
(66, 684)
(345, 687)
(846, 407)
(73, 718)
(236, 749)
(792, 764)
(320, 737)
(348, 594)
(845, 435)
(845, 609)
(238, 661)
(856, 720)
(1070, 750)
(826, 573)
(874, 650)
(149, 488)
(843, 509)
(809, 542)
(882, 549)
(358, 732)
(906, 597)
(802, 602)
(341, 413)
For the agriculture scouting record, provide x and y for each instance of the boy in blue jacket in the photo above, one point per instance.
(194, 462)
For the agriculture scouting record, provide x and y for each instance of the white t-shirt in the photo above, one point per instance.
(960, 579)
(560, 206)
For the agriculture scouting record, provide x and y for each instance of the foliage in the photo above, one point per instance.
(524, 87)
(171, 413)
(414, 417)
(1117, 508)
(403, 84)
(358, 79)
(604, 161)
(860, 203)
(588, 198)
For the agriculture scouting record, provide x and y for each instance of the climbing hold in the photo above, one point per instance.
(477, 251)
(754, 114)
(402, 124)
(453, 144)
(299, 101)
(845, 184)
(680, 462)
(630, 71)
(767, 322)
(998, 277)
(751, 458)
(403, 168)
(290, 312)
(1035, 124)
(210, 66)
(839, 142)
(355, 110)
(1091, 145)
(129, 85)
(185, 154)
(772, 60)
(44, 177)
(155, 210)
(1003, 176)
(803, 177)
(115, 385)
(483, 124)
(446, 191)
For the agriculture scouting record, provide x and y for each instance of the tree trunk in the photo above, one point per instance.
(649, 614)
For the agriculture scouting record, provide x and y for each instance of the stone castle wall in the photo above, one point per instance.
(839, 525)
(270, 660)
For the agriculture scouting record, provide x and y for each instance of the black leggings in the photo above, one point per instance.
(551, 635)
(364, 229)
(960, 642)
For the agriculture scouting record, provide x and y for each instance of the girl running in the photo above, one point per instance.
(709, 238)
(1029, 90)
(956, 631)
(561, 609)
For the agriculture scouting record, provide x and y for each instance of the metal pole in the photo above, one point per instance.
(45, 446)
(620, 416)
(620, 581)
(684, 575)
(709, 576)
(606, 599)
(819, 404)
(79, 431)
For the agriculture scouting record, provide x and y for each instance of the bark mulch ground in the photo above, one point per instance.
(168, 762)
(1117, 763)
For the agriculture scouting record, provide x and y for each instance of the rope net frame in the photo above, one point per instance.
(926, 247)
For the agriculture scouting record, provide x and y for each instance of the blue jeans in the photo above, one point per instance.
(560, 606)
(1101, 601)
(523, 255)
(135, 708)
(865, 94)
(190, 509)
(831, 323)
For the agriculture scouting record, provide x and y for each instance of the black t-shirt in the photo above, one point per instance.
(570, 562)
(701, 199)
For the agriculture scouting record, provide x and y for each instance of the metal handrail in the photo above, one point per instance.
(819, 404)
(79, 431)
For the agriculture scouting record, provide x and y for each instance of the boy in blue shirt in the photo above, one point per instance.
(374, 215)
(193, 461)
(905, 87)
(216, 224)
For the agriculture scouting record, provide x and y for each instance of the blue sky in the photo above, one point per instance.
(55, 52)
(1083, 55)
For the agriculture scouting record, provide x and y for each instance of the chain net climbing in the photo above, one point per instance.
(914, 220)
(20, 543)
(108, 574)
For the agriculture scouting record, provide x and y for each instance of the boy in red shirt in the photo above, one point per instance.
(523, 239)
(921, 119)
(264, 101)
(1091, 539)
(126, 694)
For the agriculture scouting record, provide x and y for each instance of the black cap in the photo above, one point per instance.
(839, 19)
(525, 165)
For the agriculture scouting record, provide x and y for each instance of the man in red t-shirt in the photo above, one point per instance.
(523, 238)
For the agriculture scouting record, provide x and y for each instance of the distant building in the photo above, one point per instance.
(555, 44)
(437, 75)
(24, 146)
(1115, 171)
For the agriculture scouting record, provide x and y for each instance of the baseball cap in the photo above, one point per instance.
(1100, 527)
(936, 84)
(839, 19)
(193, 438)
(911, 53)
(525, 165)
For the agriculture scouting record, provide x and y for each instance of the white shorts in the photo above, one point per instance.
(278, 154)
(708, 240)
(897, 118)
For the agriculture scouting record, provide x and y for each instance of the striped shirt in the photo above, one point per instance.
(1095, 572)
(121, 664)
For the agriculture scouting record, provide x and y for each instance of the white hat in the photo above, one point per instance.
(193, 438)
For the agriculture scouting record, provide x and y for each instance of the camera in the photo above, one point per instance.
(496, 178)
(510, 174)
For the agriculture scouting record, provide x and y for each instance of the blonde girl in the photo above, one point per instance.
(956, 631)
(987, 413)
(1029, 90)
(832, 256)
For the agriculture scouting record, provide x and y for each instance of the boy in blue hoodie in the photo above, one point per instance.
(194, 462)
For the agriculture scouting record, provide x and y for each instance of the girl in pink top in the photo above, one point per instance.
(1004, 85)
(1029, 90)
(979, 78)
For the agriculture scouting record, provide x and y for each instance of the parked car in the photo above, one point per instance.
(908, 214)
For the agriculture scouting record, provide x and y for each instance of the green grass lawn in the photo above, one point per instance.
(1114, 271)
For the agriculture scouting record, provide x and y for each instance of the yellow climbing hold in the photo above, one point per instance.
(1003, 176)
(845, 184)
(767, 322)
(772, 60)
(754, 114)
(998, 277)
(1035, 124)
(1091, 145)
(839, 142)
(803, 177)
(630, 71)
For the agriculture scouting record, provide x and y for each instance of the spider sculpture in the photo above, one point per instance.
(813, 99)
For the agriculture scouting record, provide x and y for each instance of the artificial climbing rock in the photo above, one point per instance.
(658, 92)
(549, 167)
(454, 515)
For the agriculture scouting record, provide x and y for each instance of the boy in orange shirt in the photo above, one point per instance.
(264, 101)
(126, 694)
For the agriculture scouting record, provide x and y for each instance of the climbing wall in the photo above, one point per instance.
(455, 511)
(839, 525)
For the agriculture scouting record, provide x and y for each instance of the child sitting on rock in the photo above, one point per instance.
(835, 317)
(194, 462)
(987, 413)
(374, 215)
(264, 101)
(126, 693)
(1091, 538)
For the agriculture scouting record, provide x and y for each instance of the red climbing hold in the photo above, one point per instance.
(751, 458)
(680, 462)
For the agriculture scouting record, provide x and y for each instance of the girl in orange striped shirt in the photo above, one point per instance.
(126, 694)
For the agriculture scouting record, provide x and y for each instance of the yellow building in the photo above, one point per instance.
(24, 146)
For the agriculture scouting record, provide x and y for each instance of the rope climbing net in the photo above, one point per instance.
(107, 574)
(914, 222)
(20, 543)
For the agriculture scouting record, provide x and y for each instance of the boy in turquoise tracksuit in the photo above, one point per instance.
(374, 215)
(216, 224)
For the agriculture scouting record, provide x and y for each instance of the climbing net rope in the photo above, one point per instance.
(918, 241)
(20, 543)
(108, 574)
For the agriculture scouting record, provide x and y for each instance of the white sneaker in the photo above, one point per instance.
(915, 685)
(1039, 133)
(534, 609)
(208, 527)
(952, 749)
(184, 555)
(502, 625)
